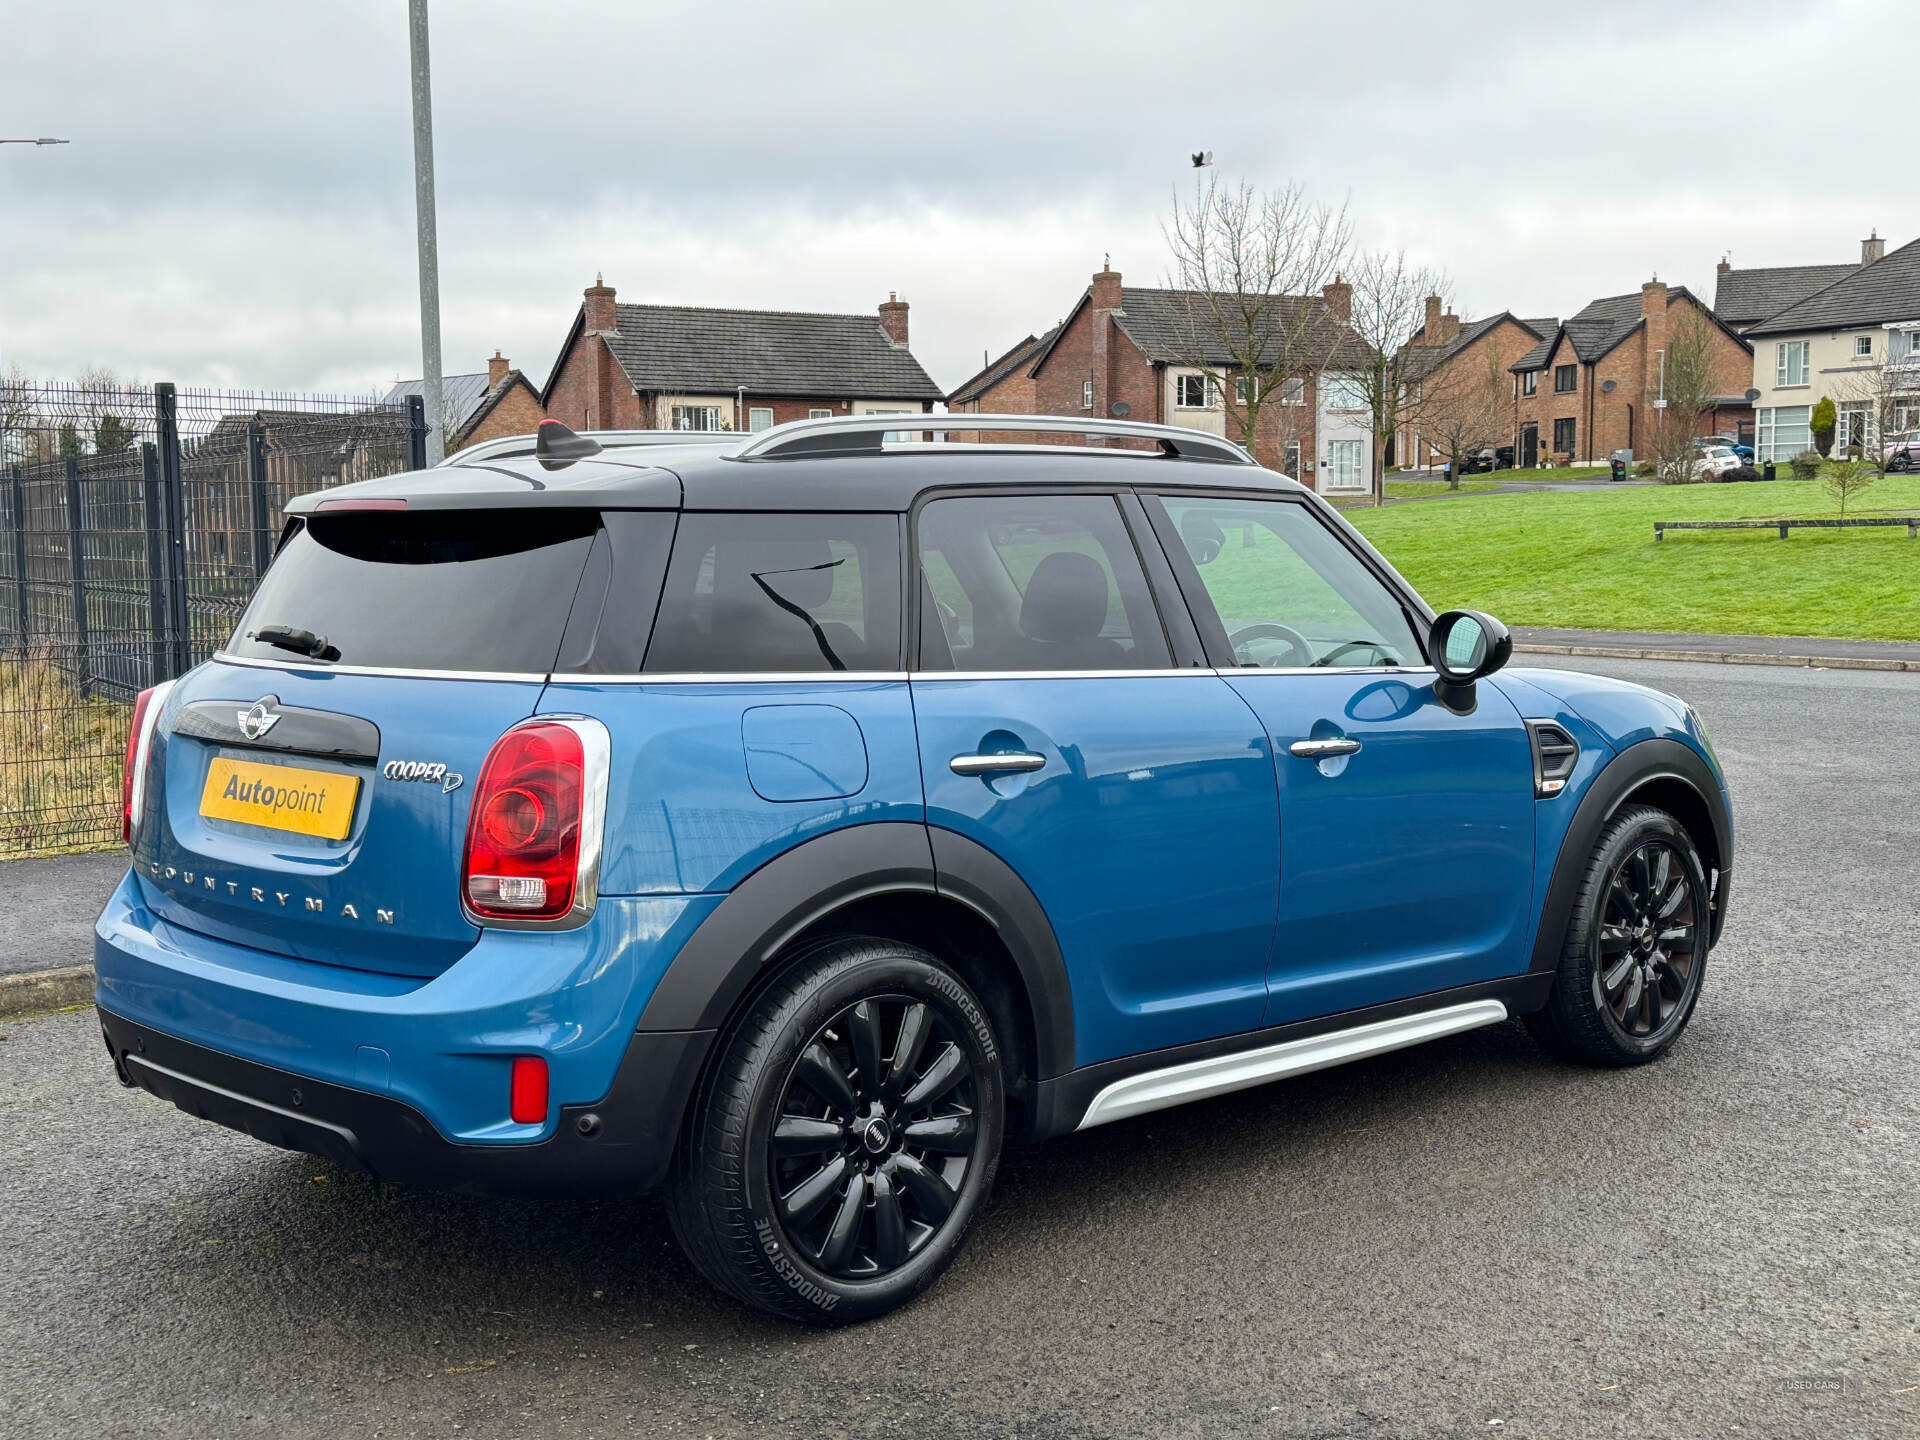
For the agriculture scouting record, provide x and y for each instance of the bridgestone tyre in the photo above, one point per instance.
(1635, 951)
(844, 1135)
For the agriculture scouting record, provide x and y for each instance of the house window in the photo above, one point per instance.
(1563, 437)
(1290, 458)
(1293, 391)
(1240, 390)
(1344, 392)
(1086, 395)
(1783, 431)
(1565, 378)
(1790, 363)
(760, 417)
(820, 412)
(1192, 392)
(1862, 345)
(1530, 383)
(696, 417)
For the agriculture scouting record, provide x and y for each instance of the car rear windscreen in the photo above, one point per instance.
(481, 590)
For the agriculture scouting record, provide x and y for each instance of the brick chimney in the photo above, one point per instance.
(1653, 310)
(1339, 298)
(1872, 248)
(600, 315)
(893, 319)
(1106, 302)
(1724, 266)
(1440, 329)
(1106, 288)
(497, 369)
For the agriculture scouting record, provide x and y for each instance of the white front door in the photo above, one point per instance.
(1346, 458)
(1850, 427)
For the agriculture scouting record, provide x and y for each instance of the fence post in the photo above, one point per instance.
(20, 554)
(416, 433)
(156, 563)
(166, 418)
(77, 569)
(257, 477)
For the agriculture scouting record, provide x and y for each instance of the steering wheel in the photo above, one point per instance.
(1386, 656)
(1302, 651)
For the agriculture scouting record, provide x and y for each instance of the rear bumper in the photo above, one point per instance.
(620, 1144)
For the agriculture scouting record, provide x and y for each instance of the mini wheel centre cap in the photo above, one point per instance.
(876, 1135)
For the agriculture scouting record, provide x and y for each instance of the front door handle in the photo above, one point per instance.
(1324, 749)
(1016, 760)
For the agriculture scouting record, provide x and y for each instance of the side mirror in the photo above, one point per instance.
(1465, 645)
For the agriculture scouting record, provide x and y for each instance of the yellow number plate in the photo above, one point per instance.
(280, 797)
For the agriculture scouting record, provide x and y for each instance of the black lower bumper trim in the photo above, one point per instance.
(621, 1144)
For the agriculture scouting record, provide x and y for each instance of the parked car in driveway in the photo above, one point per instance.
(1713, 461)
(1744, 452)
(789, 823)
(1901, 449)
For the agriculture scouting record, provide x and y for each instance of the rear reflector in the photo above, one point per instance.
(527, 1098)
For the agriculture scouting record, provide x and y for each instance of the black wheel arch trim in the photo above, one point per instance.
(1642, 764)
(807, 884)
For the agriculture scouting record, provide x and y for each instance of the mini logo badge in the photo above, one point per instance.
(257, 720)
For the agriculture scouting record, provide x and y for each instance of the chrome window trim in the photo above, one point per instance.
(596, 749)
(315, 667)
(738, 677)
(137, 801)
(895, 677)
(1327, 670)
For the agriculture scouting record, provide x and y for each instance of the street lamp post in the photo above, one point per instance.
(429, 245)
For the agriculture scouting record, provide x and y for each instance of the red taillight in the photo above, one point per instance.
(523, 837)
(132, 782)
(527, 1095)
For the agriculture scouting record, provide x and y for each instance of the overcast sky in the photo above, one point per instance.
(237, 206)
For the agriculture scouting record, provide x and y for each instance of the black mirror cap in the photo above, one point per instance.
(1495, 649)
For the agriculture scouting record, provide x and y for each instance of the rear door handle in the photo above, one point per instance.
(1322, 749)
(995, 764)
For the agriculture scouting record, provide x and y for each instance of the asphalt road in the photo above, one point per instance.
(1463, 1239)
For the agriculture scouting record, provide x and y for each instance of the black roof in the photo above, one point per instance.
(705, 477)
(997, 370)
(1425, 359)
(703, 350)
(1163, 322)
(1599, 329)
(1742, 297)
(1870, 295)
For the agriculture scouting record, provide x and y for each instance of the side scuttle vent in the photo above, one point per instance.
(1555, 753)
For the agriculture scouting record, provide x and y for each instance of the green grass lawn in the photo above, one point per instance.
(1588, 559)
(1415, 489)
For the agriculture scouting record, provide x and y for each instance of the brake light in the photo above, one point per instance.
(533, 836)
(527, 1091)
(133, 782)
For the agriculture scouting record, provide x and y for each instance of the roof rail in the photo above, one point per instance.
(853, 434)
(608, 440)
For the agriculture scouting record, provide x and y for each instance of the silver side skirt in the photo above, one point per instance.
(1197, 1079)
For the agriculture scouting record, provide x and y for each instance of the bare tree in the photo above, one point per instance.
(1682, 392)
(1249, 266)
(19, 415)
(1389, 306)
(1463, 408)
(1876, 401)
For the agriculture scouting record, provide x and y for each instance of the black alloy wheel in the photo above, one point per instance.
(1648, 938)
(843, 1136)
(1635, 951)
(876, 1132)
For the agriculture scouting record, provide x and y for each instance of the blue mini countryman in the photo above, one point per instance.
(789, 822)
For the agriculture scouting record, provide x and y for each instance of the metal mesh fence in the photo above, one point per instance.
(134, 524)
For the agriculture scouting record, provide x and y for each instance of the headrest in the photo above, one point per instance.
(1066, 599)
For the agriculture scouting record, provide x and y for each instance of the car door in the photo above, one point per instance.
(1135, 798)
(1406, 825)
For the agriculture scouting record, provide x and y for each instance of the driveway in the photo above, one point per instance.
(1461, 1239)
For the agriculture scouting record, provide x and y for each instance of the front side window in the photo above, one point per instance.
(760, 417)
(1033, 582)
(1790, 362)
(1286, 592)
(1530, 383)
(759, 593)
(1565, 379)
(696, 417)
(1563, 436)
(1783, 431)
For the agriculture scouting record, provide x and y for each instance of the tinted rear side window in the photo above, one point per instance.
(760, 593)
(427, 590)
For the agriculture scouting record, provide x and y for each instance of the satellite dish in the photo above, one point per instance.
(1752, 395)
(1121, 409)
(1607, 387)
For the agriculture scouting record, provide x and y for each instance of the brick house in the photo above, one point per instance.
(485, 405)
(1448, 353)
(1125, 351)
(1588, 388)
(680, 367)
